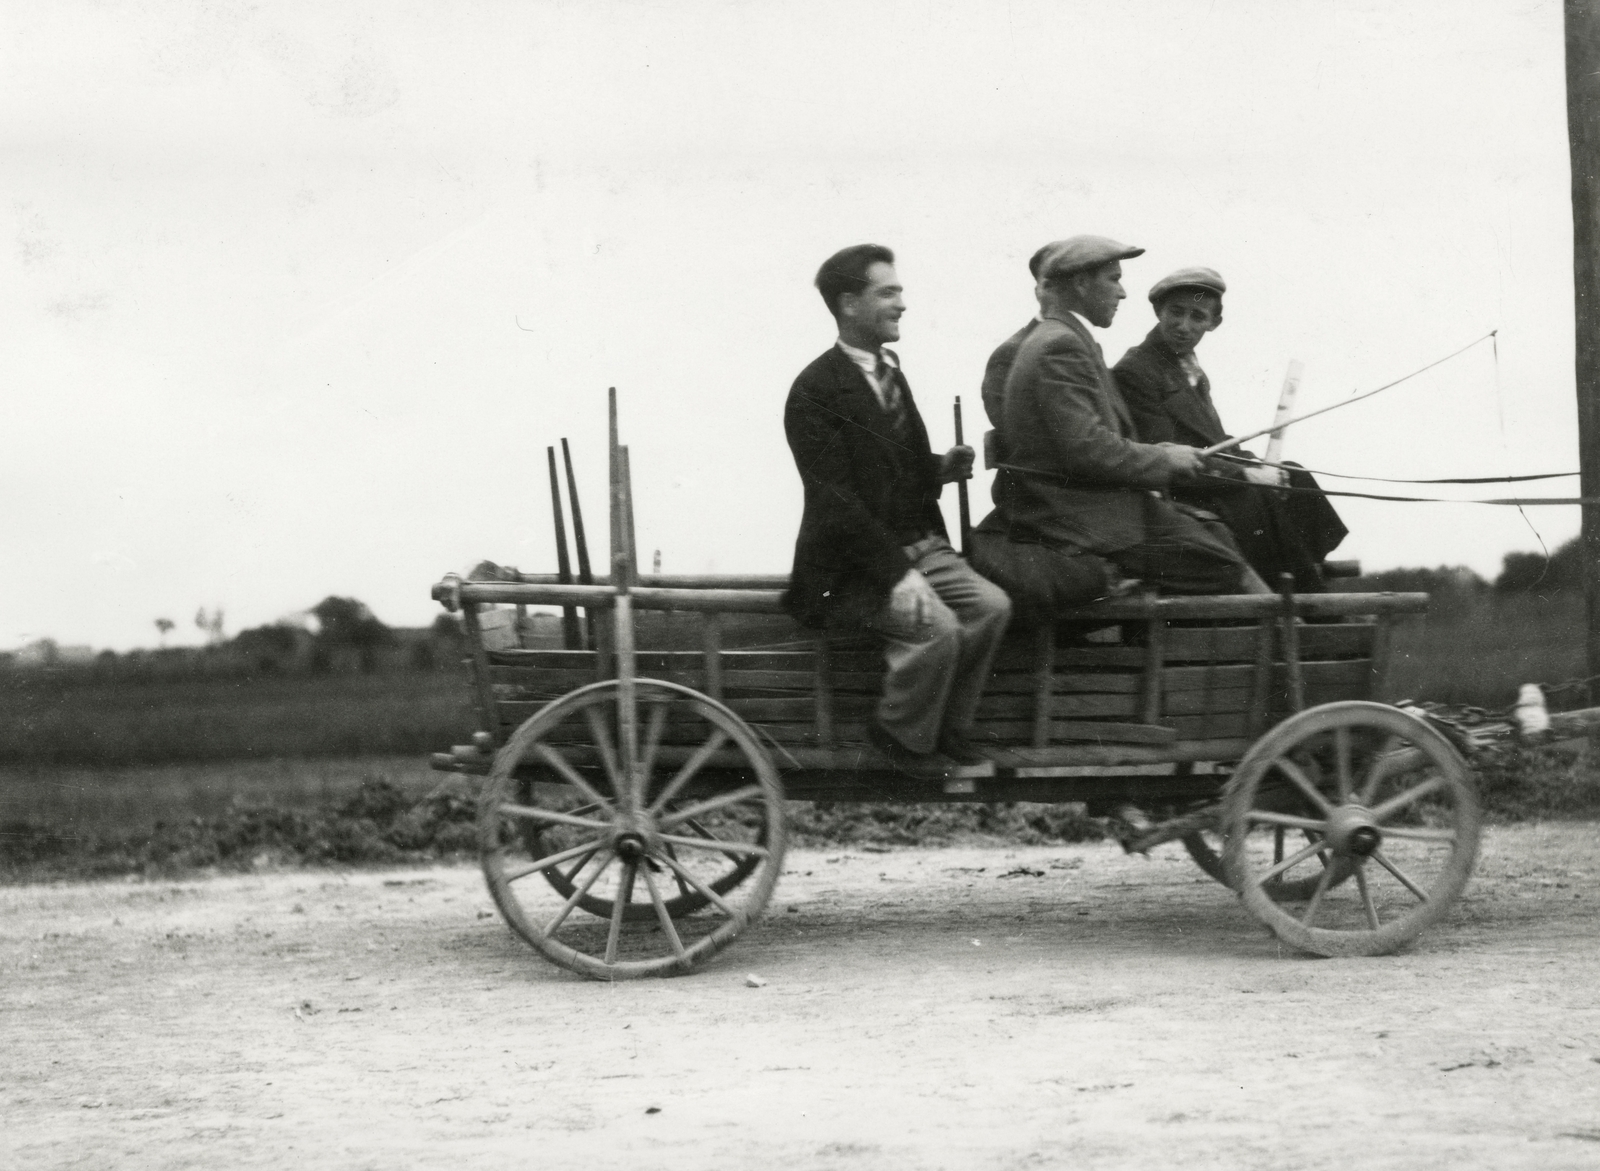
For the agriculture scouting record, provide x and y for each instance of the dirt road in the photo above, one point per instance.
(960, 1008)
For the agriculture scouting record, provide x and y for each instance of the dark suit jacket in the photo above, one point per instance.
(1166, 409)
(853, 469)
(1064, 416)
(995, 372)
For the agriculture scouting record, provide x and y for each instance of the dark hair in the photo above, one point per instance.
(1195, 292)
(846, 272)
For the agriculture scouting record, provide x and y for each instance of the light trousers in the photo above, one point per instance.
(937, 671)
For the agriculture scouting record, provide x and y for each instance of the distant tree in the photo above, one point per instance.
(344, 624)
(164, 627)
(210, 624)
(271, 648)
(1524, 573)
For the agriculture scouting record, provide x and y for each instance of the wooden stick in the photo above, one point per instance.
(482, 689)
(585, 575)
(1291, 387)
(629, 543)
(711, 643)
(961, 489)
(569, 614)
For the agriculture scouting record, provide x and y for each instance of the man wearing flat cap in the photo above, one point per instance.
(1079, 482)
(1169, 396)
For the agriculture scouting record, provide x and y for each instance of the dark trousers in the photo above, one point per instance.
(1281, 532)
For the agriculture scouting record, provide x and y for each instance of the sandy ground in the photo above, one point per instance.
(959, 1008)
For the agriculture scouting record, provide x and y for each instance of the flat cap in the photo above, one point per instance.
(1189, 278)
(1076, 253)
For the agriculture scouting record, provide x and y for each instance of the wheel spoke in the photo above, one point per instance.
(1341, 761)
(560, 917)
(1316, 896)
(686, 876)
(687, 772)
(1277, 844)
(577, 866)
(718, 845)
(1420, 834)
(618, 907)
(533, 813)
(1291, 770)
(683, 887)
(667, 928)
(607, 749)
(588, 850)
(679, 816)
(652, 741)
(1390, 760)
(1366, 899)
(1286, 819)
(1289, 863)
(1395, 804)
(1405, 881)
(569, 774)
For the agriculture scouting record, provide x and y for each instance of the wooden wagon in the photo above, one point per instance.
(633, 817)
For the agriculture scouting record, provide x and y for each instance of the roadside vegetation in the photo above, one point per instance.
(354, 689)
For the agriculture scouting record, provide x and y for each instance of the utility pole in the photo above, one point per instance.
(1583, 138)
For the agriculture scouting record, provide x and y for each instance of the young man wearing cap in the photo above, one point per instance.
(1080, 481)
(872, 551)
(1169, 396)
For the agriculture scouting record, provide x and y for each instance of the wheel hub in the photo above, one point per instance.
(1351, 831)
(630, 846)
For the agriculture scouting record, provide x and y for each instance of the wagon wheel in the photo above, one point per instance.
(674, 859)
(540, 840)
(1379, 796)
(1205, 847)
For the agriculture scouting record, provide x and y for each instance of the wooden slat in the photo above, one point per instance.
(1044, 649)
(1154, 657)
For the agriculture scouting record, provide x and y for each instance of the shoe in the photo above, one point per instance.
(958, 748)
(901, 758)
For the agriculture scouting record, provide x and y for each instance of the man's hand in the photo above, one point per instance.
(1265, 476)
(911, 600)
(956, 464)
(1184, 463)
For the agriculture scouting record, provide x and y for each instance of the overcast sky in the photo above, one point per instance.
(297, 295)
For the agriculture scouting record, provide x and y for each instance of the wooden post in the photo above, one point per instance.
(1044, 678)
(827, 734)
(622, 622)
(1291, 644)
(1261, 679)
(961, 490)
(711, 645)
(483, 690)
(585, 574)
(1155, 657)
(569, 614)
(1583, 140)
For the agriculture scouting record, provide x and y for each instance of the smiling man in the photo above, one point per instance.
(1169, 397)
(1080, 482)
(872, 553)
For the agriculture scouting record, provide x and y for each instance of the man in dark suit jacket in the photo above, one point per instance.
(872, 551)
(1169, 397)
(1081, 482)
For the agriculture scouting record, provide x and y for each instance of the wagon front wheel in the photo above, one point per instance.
(617, 871)
(1376, 795)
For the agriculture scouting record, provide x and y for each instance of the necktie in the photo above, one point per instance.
(1191, 368)
(889, 389)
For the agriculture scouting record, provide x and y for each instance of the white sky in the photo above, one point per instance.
(266, 264)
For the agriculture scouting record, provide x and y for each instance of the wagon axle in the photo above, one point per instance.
(1352, 831)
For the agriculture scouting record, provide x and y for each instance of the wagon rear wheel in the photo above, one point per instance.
(1376, 795)
(1205, 847)
(616, 872)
